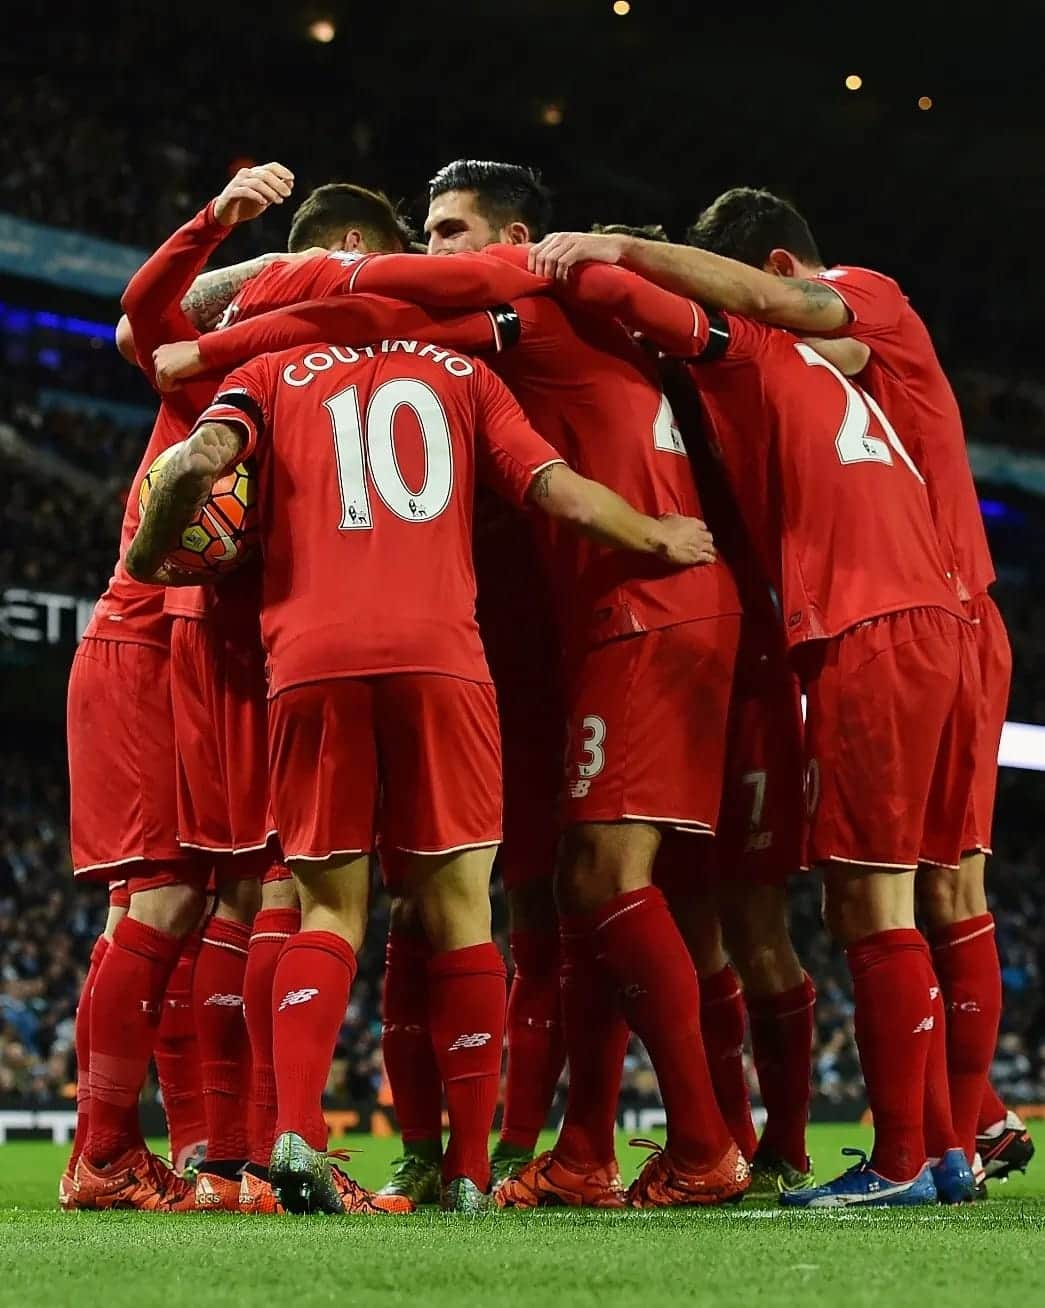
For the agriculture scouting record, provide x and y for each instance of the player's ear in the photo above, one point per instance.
(353, 240)
(781, 264)
(515, 234)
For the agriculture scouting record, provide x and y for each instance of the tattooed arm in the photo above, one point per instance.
(806, 305)
(212, 292)
(182, 485)
(596, 511)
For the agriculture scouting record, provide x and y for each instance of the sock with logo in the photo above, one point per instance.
(310, 993)
(940, 1135)
(596, 1037)
(893, 1019)
(406, 1042)
(782, 1044)
(535, 1041)
(722, 1021)
(273, 927)
(466, 1005)
(82, 1038)
(125, 1013)
(965, 955)
(217, 1004)
(177, 1059)
(641, 948)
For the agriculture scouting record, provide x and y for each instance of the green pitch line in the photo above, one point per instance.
(747, 1257)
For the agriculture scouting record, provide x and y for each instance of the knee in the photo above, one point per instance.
(176, 910)
(938, 897)
(238, 901)
(404, 918)
(280, 894)
(600, 861)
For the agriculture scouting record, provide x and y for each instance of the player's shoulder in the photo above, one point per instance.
(844, 274)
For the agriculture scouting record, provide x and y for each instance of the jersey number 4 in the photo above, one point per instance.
(366, 453)
(854, 442)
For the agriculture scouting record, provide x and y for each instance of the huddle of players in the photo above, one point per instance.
(383, 728)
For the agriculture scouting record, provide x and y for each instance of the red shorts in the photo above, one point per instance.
(218, 692)
(890, 740)
(761, 829)
(994, 655)
(414, 755)
(647, 726)
(122, 787)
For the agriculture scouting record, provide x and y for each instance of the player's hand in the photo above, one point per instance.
(176, 362)
(251, 192)
(685, 541)
(558, 252)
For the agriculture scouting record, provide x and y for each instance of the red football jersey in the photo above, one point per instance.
(282, 283)
(905, 377)
(368, 462)
(834, 504)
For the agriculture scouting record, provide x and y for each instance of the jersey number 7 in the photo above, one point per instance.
(366, 454)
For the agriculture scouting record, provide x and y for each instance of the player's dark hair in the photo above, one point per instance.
(651, 232)
(746, 224)
(505, 193)
(332, 210)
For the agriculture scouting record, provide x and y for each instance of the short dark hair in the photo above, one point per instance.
(339, 207)
(651, 232)
(746, 224)
(505, 193)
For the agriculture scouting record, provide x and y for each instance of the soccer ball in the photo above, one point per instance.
(224, 530)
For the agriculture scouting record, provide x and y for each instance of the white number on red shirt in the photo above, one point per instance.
(666, 434)
(356, 453)
(854, 442)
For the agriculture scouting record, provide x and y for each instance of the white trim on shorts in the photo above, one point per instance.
(863, 862)
(321, 858)
(694, 828)
(230, 849)
(454, 849)
(120, 862)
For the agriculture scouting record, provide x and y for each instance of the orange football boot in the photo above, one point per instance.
(663, 1183)
(67, 1198)
(138, 1180)
(257, 1196)
(548, 1183)
(216, 1194)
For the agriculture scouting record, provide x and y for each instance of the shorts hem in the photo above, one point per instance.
(229, 849)
(692, 826)
(868, 862)
(451, 849)
(933, 862)
(321, 858)
(125, 862)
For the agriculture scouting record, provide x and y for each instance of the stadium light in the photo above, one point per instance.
(621, 8)
(925, 102)
(322, 30)
(551, 115)
(853, 82)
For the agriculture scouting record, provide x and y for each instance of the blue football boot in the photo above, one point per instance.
(953, 1178)
(862, 1186)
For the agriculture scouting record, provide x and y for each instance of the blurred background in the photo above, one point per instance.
(908, 135)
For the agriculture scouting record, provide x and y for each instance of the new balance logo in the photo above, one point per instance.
(474, 1041)
(926, 1024)
(223, 1001)
(293, 997)
(578, 789)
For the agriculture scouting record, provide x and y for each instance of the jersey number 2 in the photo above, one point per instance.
(361, 447)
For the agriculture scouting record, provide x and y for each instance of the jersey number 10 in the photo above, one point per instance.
(369, 447)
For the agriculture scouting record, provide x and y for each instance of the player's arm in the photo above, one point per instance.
(212, 292)
(805, 304)
(849, 356)
(460, 281)
(350, 320)
(596, 511)
(153, 299)
(185, 481)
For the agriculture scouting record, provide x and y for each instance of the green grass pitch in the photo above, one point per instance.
(988, 1254)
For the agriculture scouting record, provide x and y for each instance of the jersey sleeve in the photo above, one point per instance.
(285, 282)
(243, 400)
(357, 320)
(875, 303)
(510, 453)
(677, 326)
(152, 300)
(459, 281)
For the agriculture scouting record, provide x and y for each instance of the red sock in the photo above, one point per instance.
(466, 1018)
(82, 1038)
(992, 1111)
(406, 1042)
(273, 927)
(965, 956)
(125, 1012)
(596, 1037)
(893, 1020)
(217, 1005)
(782, 1043)
(310, 992)
(535, 1042)
(640, 946)
(722, 1019)
(940, 1134)
(177, 1058)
